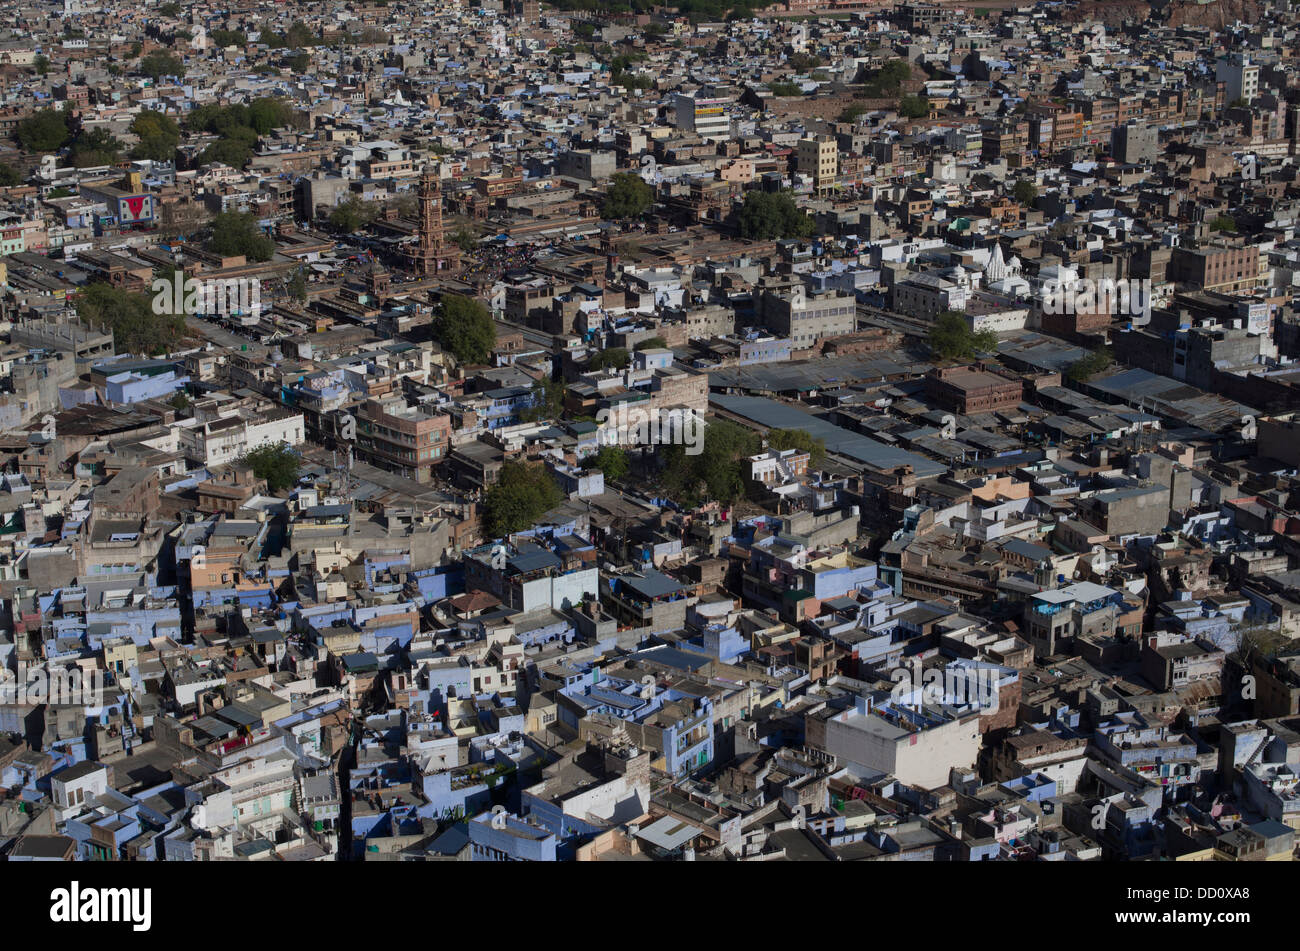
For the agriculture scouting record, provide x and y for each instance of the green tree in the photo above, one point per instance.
(887, 81)
(271, 39)
(628, 196)
(170, 9)
(464, 239)
(464, 328)
(297, 286)
(276, 463)
(1098, 361)
(628, 80)
(233, 151)
(951, 338)
(9, 176)
(615, 357)
(651, 343)
(299, 34)
(914, 107)
(1223, 223)
(299, 62)
(612, 461)
(159, 135)
(852, 112)
(43, 131)
(799, 439)
(179, 401)
(548, 401)
(233, 233)
(95, 147)
(159, 64)
(716, 473)
(130, 317)
(802, 62)
(42, 64)
(1025, 192)
(522, 494)
(224, 38)
(785, 89)
(267, 114)
(768, 215)
(351, 214)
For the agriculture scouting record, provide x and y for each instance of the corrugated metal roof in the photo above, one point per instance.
(842, 442)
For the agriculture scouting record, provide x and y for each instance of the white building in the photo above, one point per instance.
(703, 114)
(917, 747)
(219, 441)
(1240, 77)
(73, 788)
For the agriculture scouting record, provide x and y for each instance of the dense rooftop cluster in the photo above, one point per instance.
(842, 431)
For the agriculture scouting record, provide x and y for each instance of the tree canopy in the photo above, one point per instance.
(852, 112)
(1025, 192)
(799, 439)
(887, 81)
(130, 317)
(233, 233)
(548, 401)
(1098, 361)
(277, 464)
(615, 357)
(159, 64)
(769, 215)
(464, 239)
(351, 214)
(951, 338)
(159, 135)
(464, 328)
(612, 461)
(627, 196)
(238, 127)
(43, 131)
(224, 38)
(297, 285)
(522, 494)
(914, 107)
(95, 147)
(716, 472)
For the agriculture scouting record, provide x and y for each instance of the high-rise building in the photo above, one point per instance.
(1240, 77)
(1134, 143)
(818, 158)
(703, 113)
